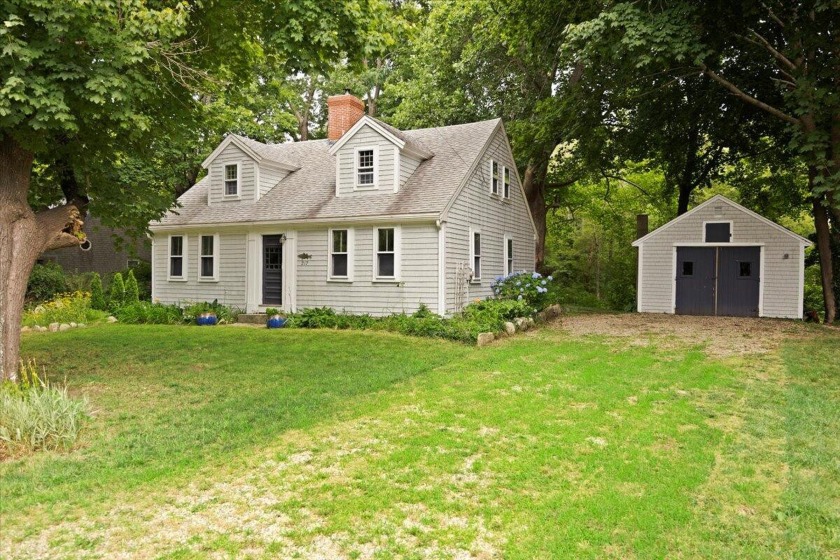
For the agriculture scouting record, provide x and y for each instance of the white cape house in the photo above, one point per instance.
(371, 220)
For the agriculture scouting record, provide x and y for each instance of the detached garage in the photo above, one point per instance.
(721, 259)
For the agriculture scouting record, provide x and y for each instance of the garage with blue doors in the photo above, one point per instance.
(721, 258)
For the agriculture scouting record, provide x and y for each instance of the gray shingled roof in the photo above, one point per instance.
(309, 193)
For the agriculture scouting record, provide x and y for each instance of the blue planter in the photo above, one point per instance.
(275, 322)
(207, 319)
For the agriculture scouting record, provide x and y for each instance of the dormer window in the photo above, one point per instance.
(366, 168)
(232, 180)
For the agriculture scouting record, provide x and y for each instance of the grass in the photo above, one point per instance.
(251, 443)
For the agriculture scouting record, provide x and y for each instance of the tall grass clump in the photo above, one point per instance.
(65, 308)
(36, 415)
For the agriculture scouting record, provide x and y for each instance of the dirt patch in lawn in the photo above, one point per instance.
(721, 336)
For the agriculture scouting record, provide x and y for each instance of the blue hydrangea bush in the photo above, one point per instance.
(530, 287)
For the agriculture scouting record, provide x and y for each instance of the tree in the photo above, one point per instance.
(116, 292)
(781, 58)
(83, 84)
(97, 294)
(132, 291)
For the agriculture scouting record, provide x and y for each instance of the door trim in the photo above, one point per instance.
(760, 266)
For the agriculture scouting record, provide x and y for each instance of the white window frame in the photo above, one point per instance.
(349, 253)
(225, 180)
(397, 255)
(375, 184)
(170, 256)
(214, 256)
(506, 182)
(731, 230)
(494, 188)
(476, 278)
(508, 255)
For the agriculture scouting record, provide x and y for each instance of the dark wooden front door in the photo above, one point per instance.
(718, 281)
(695, 281)
(738, 269)
(272, 270)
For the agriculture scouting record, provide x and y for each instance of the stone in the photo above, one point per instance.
(53, 327)
(73, 325)
(39, 328)
(550, 313)
(25, 329)
(485, 338)
(81, 325)
(522, 323)
(510, 328)
(111, 319)
(64, 327)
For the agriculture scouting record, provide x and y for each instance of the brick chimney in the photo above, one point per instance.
(343, 112)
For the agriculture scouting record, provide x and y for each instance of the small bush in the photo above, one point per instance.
(272, 311)
(45, 281)
(530, 287)
(81, 282)
(36, 415)
(132, 292)
(146, 313)
(97, 294)
(224, 313)
(116, 292)
(66, 308)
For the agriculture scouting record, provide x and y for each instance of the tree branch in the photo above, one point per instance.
(61, 227)
(748, 98)
(778, 55)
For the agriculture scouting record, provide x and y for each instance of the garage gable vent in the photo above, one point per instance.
(718, 232)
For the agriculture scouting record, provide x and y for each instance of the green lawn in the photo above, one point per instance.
(237, 442)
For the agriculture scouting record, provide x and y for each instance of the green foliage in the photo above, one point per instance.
(36, 415)
(147, 313)
(224, 313)
(132, 293)
(116, 291)
(813, 293)
(272, 311)
(531, 288)
(65, 308)
(97, 294)
(45, 281)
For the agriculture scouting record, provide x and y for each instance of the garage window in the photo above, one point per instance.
(688, 268)
(745, 269)
(718, 232)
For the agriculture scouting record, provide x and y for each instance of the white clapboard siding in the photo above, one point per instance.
(408, 165)
(496, 218)
(419, 257)
(247, 170)
(781, 276)
(269, 177)
(230, 287)
(365, 137)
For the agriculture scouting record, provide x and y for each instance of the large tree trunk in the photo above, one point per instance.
(824, 250)
(23, 236)
(534, 186)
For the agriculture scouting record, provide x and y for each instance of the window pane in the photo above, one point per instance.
(365, 159)
(230, 172)
(495, 178)
(177, 246)
(231, 187)
(339, 241)
(717, 233)
(366, 178)
(744, 269)
(477, 267)
(176, 266)
(386, 264)
(386, 239)
(687, 268)
(476, 243)
(207, 266)
(207, 245)
(507, 183)
(339, 264)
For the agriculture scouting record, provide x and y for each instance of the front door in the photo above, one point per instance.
(272, 270)
(738, 269)
(695, 281)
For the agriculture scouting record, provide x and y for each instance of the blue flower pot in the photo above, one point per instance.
(208, 319)
(276, 322)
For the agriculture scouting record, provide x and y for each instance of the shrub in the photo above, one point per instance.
(97, 294)
(66, 308)
(132, 292)
(224, 313)
(116, 292)
(272, 311)
(45, 281)
(81, 282)
(37, 415)
(144, 312)
(530, 287)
